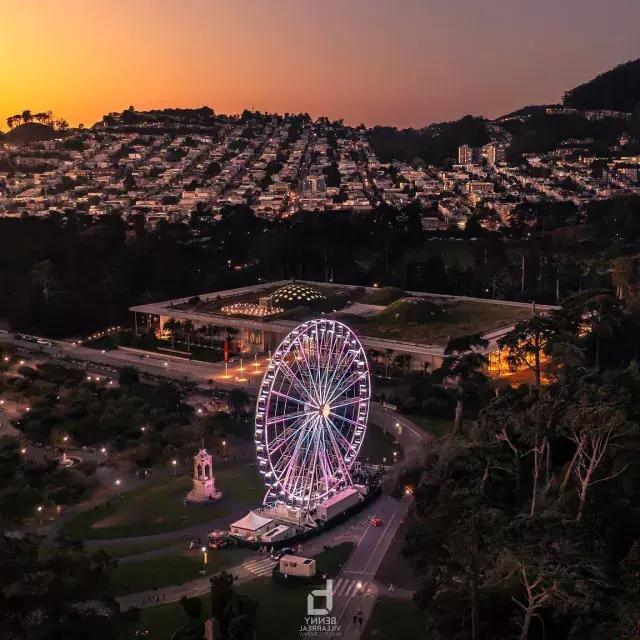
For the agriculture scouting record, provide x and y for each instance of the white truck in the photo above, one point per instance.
(335, 505)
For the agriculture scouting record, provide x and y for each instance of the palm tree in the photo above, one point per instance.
(465, 365)
(187, 328)
(172, 325)
(387, 358)
(238, 401)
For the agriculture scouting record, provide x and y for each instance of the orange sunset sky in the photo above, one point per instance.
(400, 62)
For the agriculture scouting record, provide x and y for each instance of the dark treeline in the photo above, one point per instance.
(68, 274)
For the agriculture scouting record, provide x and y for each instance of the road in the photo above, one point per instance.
(149, 363)
(354, 588)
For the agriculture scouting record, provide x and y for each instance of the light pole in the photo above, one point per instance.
(224, 449)
(205, 559)
(174, 462)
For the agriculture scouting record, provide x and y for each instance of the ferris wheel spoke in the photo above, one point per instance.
(305, 471)
(279, 394)
(287, 436)
(291, 376)
(330, 368)
(292, 468)
(287, 416)
(339, 377)
(346, 384)
(339, 455)
(346, 403)
(312, 391)
(353, 422)
(340, 435)
(340, 369)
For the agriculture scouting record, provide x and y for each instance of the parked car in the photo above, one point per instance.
(276, 554)
(376, 522)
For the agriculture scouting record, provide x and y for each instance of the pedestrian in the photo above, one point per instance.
(355, 619)
(360, 619)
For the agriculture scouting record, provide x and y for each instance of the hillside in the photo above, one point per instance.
(434, 144)
(30, 132)
(617, 90)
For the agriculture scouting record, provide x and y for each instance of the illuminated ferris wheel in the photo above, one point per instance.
(311, 414)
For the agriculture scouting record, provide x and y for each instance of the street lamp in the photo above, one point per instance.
(174, 463)
(118, 482)
(224, 448)
(205, 559)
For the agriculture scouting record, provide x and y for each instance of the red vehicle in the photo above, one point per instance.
(376, 522)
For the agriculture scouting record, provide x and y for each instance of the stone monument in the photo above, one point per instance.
(204, 482)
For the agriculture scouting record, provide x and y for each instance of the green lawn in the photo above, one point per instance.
(394, 618)
(461, 318)
(134, 548)
(377, 445)
(159, 507)
(172, 569)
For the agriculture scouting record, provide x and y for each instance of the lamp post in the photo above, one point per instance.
(224, 448)
(205, 559)
(174, 462)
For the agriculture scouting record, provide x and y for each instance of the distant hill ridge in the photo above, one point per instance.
(30, 132)
(617, 90)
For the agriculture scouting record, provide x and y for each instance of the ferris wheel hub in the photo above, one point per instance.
(325, 410)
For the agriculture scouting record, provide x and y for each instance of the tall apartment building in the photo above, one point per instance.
(465, 154)
(494, 152)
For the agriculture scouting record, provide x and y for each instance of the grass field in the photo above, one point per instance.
(461, 318)
(133, 548)
(173, 569)
(156, 508)
(378, 445)
(394, 618)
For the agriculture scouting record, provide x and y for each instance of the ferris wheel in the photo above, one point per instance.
(311, 414)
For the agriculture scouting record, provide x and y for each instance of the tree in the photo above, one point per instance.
(192, 607)
(538, 593)
(26, 116)
(527, 343)
(128, 376)
(595, 315)
(234, 613)
(595, 431)
(625, 276)
(172, 325)
(187, 328)
(238, 400)
(464, 364)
